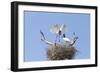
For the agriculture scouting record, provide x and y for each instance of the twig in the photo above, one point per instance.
(74, 41)
(42, 34)
(44, 39)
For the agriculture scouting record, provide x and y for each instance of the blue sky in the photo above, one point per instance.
(35, 49)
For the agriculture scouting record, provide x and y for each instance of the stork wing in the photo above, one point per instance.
(55, 29)
(66, 39)
(63, 28)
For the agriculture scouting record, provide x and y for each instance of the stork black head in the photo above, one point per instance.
(64, 35)
(59, 32)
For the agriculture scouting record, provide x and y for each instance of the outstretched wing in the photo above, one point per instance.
(63, 28)
(55, 29)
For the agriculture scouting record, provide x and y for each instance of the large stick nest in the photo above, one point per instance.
(60, 52)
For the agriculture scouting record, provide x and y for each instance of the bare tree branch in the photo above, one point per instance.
(44, 39)
(47, 42)
(75, 38)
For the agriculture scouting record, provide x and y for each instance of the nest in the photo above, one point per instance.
(60, 52)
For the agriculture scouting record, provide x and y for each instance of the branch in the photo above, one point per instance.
(75, 38)
(42, 34)
(44, 39)
(47, 42)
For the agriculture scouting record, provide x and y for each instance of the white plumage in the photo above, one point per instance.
(60, 32)
(56, 29)
(63, 28)
(66, 39)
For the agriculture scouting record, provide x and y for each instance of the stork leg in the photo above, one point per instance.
(59, 35)
(56, 39)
